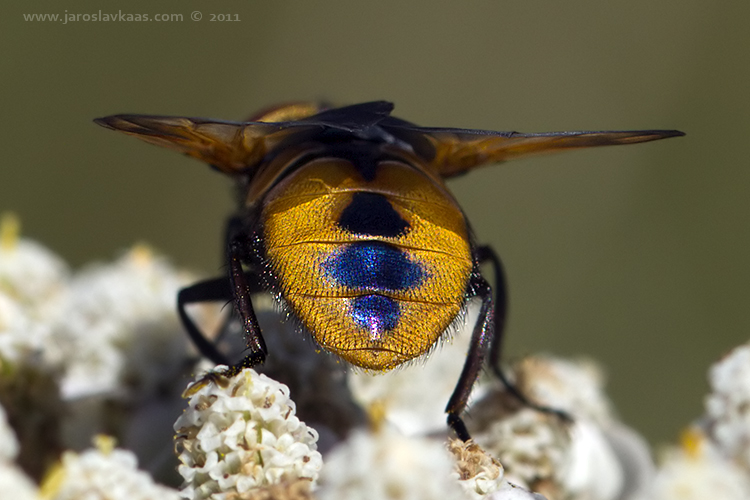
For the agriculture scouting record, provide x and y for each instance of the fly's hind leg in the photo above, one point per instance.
(481, 341)
(486, 341)
(487, 254)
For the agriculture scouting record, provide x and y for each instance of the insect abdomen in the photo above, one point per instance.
(375, 269)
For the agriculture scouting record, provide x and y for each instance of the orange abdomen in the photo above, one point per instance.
(376, 269)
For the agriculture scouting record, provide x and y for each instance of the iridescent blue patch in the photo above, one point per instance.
(376, 313)
(373, 265)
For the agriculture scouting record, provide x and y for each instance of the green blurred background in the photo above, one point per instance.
(635, 256)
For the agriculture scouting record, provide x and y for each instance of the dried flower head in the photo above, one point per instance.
(478, 472)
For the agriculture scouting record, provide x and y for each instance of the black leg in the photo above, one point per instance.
(237, 288)
(214, 290)
(241, 291)
(481, 341)
(487, 254)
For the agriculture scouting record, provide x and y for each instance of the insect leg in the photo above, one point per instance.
(241, 291)
(487, 254)
(216, 290)
(213, 290)
(481, 340)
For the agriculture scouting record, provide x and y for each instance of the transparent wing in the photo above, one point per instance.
(458, 150)
(232, 147)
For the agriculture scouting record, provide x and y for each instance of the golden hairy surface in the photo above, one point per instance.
(302, 232)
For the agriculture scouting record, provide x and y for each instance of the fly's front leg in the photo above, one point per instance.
(487, 254)
(214, 290)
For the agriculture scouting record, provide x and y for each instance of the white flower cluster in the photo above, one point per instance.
(728, 405)
(99, 327)
(127, 313)
(382, 463)
(697, 471)
(713, 460)
(590, 456)
(103, 473)
(82, 352)
(241, 433)
(533, 448)
(33, 286)
(575, 387)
